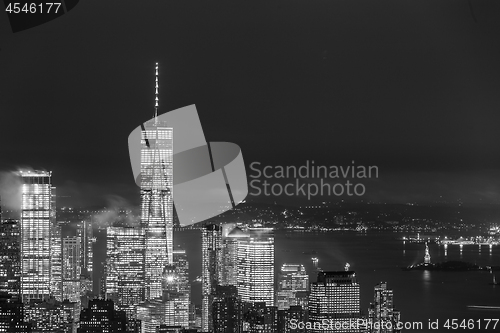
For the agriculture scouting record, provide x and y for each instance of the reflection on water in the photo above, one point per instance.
(376, 257)
(426, 276)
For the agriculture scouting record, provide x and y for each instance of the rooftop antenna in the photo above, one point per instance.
(156, 95)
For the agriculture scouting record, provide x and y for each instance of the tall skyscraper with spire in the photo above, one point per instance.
(157, 198)
(211, 271)
(36, 218)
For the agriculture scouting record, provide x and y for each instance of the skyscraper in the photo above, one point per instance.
(382, 316)
(227, 310)
(335, 297)
(56, 262)
(125, 267)
(293, 315)
(181, 265)
(101, 316)
(12, 315)
(230, 236)
(293, 285)
(157, 198)
(261, 318)
(211, 273)
(85, 233)
(176, 291)
(151, 313)
(256, 266)
(10, 265)
(36, 213)
(52, 316)
(71, 269)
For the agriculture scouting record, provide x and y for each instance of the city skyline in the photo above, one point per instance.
(369, 130)
(375, 88)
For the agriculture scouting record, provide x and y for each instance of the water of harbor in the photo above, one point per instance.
(375, 256)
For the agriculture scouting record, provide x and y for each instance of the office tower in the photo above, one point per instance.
(10, 264)
(56, 262)
(211, 273)
(175, 310)
(293, 285)
(12, 315)
(256, 266)
(230, 236)
(101, 317)
(335, 297)
(181, 265)
(36, 213)
(382, 317)
(51, 316)
(102, 280)
(125, 267)
(289, 319)
(261, 318)
(175, 295)
(71, 268)
(176, 291)
(151, 315)
(227, 310)
(157, 198)
(85, 233)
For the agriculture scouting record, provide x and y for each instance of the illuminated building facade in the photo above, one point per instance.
(293, 286)
(125, 267)
(230, 236)
(10, 265)
(382, 311)
(157, 198)
(211, 273)
(101, 317)
(176, 291)
(260, 318)
(151, 315)
(181, 265)
(71, 268)
(285, 317)
(256, 266)
(12, 315)
(36, 218)
(51, 316)
(227, 311)
(335, 297)
(85, 233)
(56, 262)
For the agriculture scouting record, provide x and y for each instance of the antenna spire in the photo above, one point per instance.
(156, 94)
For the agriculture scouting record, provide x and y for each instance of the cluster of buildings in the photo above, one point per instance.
(47, 276)
(242, 293)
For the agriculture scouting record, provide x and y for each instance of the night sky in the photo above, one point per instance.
(410, 86)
